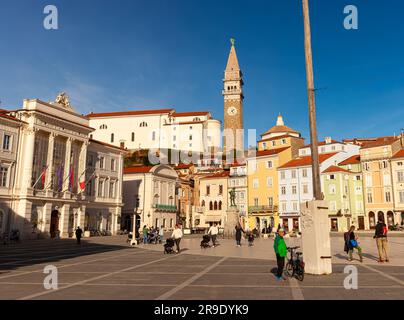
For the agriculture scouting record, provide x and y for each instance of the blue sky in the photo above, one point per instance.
(141, 54)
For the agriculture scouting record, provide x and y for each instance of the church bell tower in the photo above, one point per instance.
(233, 102)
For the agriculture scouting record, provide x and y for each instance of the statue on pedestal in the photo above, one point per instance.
(233, 197)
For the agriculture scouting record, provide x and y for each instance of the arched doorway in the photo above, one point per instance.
(390, 219)
(380, 217)
(372, 220)
(257, 223)
(54, 225)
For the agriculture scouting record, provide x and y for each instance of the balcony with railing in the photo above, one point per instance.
(262, 209)
(165, 208)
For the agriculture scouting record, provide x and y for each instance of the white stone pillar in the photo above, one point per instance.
(66, 180)
(49, 162)
(64, 221)
(81, 214)
(46, 218)
(316, 238)
(27, 160)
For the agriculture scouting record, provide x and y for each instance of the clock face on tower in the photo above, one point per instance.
(232, 111)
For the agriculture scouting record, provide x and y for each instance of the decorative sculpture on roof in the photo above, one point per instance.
(63, 99)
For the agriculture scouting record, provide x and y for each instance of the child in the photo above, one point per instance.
(250, 239)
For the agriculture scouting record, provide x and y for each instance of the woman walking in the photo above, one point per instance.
(239, 231)
(352, 244)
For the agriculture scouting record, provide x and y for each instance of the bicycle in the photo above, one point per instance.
(295, 267)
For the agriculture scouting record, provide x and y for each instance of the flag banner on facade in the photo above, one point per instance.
(41, 178)
(71, 178)
(60, 178)
(82, 180)
(83, 185)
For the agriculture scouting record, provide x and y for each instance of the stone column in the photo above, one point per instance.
(66, 180)
(316, 238)
(64, 221)
(49, 162)
(46, 218)
(81, 217)
(27, 160)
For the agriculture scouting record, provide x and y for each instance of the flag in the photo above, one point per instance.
(71, 182)
(82, 181)
(84, 184)
(60, 178)
(41, 178)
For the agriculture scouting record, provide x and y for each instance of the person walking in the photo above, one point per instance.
(79, 233)
(281, 252)
(145, 235)
(352, 244)
(239, 231)
(213, 232)
(177, 236)
(381, 241)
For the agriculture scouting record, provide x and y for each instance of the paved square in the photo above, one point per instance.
(107, 268)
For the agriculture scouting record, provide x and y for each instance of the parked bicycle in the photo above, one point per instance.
(295, 266)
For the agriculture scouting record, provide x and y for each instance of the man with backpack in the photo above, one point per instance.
(381, 241)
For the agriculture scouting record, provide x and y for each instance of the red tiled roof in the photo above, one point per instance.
(130, 170)
(190, 114)
(222, 174)
(183, 123)
(306, 161)
(281, 137)
(6, 116)
(128, 113)
(322, 143)
(183, 166)
(335, 169)
(379, 142)
(270, 152)
(278, 129)
(107, 144)
(399, 154)
(352, 160)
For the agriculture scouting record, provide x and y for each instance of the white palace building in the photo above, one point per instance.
(54, 177)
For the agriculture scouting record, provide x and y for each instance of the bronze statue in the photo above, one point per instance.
(233, 197)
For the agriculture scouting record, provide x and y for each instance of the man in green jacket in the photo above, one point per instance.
(281, 252)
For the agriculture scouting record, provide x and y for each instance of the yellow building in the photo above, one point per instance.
(377, 179)
(276, 147)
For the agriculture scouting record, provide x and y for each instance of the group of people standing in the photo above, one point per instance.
(151, 234)
(352, 243)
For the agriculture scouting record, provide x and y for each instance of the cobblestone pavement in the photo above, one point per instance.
(106, 268)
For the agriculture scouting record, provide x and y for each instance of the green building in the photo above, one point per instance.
(343, 189)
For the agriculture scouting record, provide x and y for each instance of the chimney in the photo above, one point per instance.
(328, 140)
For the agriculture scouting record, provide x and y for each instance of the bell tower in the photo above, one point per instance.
(233, 102)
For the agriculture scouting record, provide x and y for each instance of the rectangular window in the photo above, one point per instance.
(304, 174)
(401, 196)
(388, 196)
(283, 175)
(332, 177)
(284, 206)
(295, 205)
(220, 189)
(369, 181)
(358, 190)
(101, 188)
(359, 205)
(102, 162)
(294, 189)
(387, 180)
(7, 142)
(333, 206)
(133, 137)
(370, 197)
(256, 202)
(400, 176)
(208, 190)
(112, 189)
(256, 183)
(112, 138)
(269, 182)
(293, 174)
(358, 178)
(269, 165)
(113, 165)
(283, 190)
(270, 201)
(305, 189)
(4, 176)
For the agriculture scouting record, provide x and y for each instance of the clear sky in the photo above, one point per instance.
(140, 54)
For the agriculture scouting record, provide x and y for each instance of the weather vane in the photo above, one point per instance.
(233, 41)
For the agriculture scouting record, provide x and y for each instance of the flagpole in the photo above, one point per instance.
(40, 177)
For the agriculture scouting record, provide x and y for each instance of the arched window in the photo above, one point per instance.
(197, 119)
(220, 205)
(103, 127)
(211, 206)
(154, 135)
(215, 205)
(203, 203)
(112, 138)
(143, 124)
(133, 136)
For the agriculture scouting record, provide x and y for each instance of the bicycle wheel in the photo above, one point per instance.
(289, 270)
(300, 273)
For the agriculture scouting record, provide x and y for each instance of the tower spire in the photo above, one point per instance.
(232, 62)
